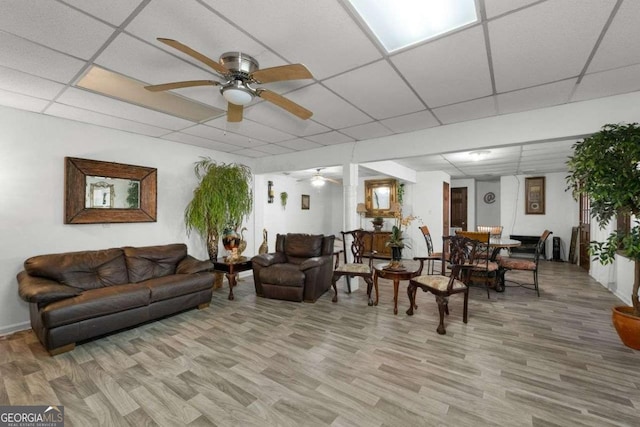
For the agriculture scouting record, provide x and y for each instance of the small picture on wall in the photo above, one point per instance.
(534, 195)
(305, 202)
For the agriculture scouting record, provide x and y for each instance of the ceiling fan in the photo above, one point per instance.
(317, 180)
(240, 71)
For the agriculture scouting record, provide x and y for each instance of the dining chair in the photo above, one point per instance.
(507, 264)
(494, 230)
(483, 265)
(460, 251)
(431, 255)
(360, 266)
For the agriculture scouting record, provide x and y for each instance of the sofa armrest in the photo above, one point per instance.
(190, 265)
(316, 261)
(265, 260)
(42, 291)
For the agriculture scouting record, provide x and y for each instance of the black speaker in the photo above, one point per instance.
(556, 249)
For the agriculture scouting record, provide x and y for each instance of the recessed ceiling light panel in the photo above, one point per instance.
(401, 23)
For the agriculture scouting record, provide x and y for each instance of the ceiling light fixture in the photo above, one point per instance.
(399, 24)
(237, 93)
(479, 155)
(317, 181)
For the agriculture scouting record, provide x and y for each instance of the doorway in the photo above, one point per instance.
(459, 207)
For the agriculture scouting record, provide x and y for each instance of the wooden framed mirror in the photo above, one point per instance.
(379, 196)
(106, 192)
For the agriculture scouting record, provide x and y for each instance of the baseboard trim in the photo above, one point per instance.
(16, 327)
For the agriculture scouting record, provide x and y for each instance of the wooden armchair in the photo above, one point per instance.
(460, 253)
(431, 256)
(483, 265)
(507, 264)
(361, 266)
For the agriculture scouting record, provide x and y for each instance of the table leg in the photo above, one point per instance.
(375, 284)
(396, 285)
(231, 277)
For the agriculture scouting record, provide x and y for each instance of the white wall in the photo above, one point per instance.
(32, 151)
(487, 213)
(561, 211)
(426, 198)
(470, 185)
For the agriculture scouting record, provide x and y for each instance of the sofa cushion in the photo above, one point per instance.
(95, 303)
(149, 262)
(303, 245)
(167, 287)
(83, 270)
(282, 274)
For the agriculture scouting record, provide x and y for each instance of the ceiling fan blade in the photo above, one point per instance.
(283, 72)
(194, 54)
(333, 181)
(285, 103)
(234, 112)
(178, 85)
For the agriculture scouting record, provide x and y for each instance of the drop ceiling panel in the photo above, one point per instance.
(249, 152)
(545, 43)
(26, 84)
(196, 26)
(274, 149)
(328, 108)
(54, 25)
(271, 115)
(22, 102)
(535, 97)
(460, 73)
(112, 11)
(463, 111)
(78, 114)
(200, 142)
(498, 7)
(619, 47)
(319, 34)
(606, 83)
(548, 146)
(34, 59)
(251, 129)
(411, 122)
(102, 104)
(300, 144)
(358, 86)
(330, 138)
(367, 131)
(219, 135)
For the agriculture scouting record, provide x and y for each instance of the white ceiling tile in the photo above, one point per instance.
(319, 34)
(274, 149)
(619, 47)
(460, 73)
(367, 131)
(200, 142)
(113, 107)
(470, 110)
(365, 87)
(249, 152)
(31, 58)
(219, 135)
(411, 122)
(55, 25)
(112, 11)
(545, 43)
(328, 109)
(21, 102)
(271, 115)
(607, 83)
(197, 27)
(251, 129)
(498, 7)
(535, 97)
(549, 146)
(26, 84)
(85, 116)
(299, 144)
(330, 138)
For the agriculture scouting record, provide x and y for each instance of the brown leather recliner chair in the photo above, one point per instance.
(299, 270)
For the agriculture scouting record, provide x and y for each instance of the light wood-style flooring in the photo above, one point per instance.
(520, 361)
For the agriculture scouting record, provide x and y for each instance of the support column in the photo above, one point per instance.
(350, 219)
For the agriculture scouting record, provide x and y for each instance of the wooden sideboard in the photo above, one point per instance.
(378, 245)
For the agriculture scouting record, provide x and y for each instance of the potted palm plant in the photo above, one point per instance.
(222, 197)
(606, 168)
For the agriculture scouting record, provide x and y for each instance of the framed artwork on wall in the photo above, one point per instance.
(305, 202)
(534, 196)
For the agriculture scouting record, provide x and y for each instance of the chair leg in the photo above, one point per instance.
(335, 289)
(369, 288)
(466, 306)
(441, 307)
(411, 292)
(348, 284)
(446, 308)
(535, 281)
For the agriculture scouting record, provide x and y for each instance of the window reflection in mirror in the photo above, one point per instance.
(111, 193)
(380, 194)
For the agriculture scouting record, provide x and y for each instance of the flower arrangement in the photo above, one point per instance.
(396, 239)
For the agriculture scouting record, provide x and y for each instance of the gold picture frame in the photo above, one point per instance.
(534, 195)
(379, 197)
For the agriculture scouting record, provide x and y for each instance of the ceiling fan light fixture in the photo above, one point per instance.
(237, 93)
(317, 181)
(476, 156)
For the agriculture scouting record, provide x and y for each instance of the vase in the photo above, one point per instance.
(230, 239)
(396, 253)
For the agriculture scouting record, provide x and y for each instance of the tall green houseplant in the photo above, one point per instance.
(222, 198)
(606, 168)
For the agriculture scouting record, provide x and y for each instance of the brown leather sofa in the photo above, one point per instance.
(75, 296)
(299, 270)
